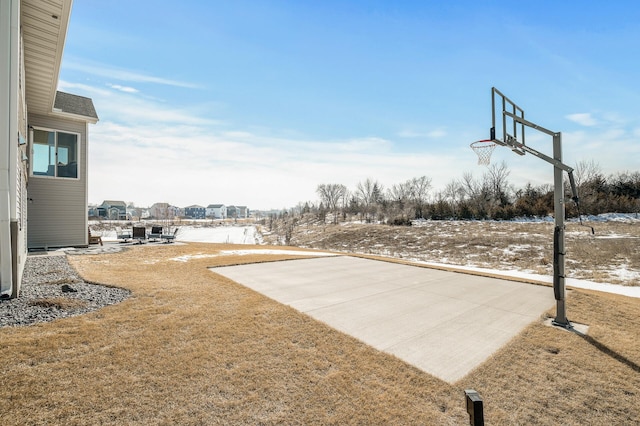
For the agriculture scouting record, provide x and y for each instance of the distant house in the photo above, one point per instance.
(232, 212)
(43, 139)
(165, 211)
(195, 212)
(137, 213)
(113, 210)
(243, 212)
(237, 212)
(134, 213)
(160, 211)
(175, 212)
(216, 211)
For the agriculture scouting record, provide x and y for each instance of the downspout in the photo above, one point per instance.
(9, 31)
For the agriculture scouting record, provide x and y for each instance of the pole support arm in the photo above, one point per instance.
(532, 151)
(554, 162)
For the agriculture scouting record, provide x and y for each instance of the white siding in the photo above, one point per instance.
(20, 225)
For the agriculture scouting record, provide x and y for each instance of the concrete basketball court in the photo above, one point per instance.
(444, 323)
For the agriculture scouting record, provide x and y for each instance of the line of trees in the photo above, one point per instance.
(489, 197)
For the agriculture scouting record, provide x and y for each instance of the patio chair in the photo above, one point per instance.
(94, 239)
(169, 237)
(140, 234)
(123, 235)
(156, 233)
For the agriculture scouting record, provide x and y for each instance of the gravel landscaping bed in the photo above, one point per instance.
(52, 289)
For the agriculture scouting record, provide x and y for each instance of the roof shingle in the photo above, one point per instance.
(74, 104)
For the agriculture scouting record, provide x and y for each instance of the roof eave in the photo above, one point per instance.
(44, 26)
(62, 37)
(76, 117)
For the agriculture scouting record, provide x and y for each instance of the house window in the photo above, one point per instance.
(55, 154)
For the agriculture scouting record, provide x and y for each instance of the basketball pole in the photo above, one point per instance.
(558, 242)
(559, 290)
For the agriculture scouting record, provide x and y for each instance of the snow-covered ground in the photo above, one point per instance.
(570, 282)
(216, 234)
(220, 234)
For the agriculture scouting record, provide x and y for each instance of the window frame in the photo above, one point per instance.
(55, 132)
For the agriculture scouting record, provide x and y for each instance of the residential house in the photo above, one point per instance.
(113, 210)
(92, 211)
(165, 211)
(232, 212)
(195, 212)
(43, 138)
(137, 213)
(216, 211)
(175, 211)
(160, 211)
(243, 212)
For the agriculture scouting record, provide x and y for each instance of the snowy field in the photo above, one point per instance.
(217, 234)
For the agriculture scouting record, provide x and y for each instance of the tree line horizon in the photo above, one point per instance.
(489, 197)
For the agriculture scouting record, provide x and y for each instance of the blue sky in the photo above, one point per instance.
(257, 102)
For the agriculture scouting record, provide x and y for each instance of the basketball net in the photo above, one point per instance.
(484, 149)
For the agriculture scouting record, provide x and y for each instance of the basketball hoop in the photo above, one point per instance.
(484, 148)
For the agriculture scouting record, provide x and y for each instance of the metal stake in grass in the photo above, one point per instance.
(474, 407)
(513, 121)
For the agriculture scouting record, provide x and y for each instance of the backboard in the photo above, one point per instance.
(505, 130)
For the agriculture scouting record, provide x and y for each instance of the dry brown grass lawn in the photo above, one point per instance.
(191, 347)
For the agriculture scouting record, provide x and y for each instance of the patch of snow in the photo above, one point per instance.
(514, 249)
(570, 282)
(624, 274)
(613, 236)
(613, 217)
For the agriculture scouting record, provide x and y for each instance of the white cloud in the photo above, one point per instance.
(130, 107)
(364, 145)
(613, 149)
(614, 118)
(432, 134)
(125, 89)
(110, 72)
(584, 119)
(438, 133)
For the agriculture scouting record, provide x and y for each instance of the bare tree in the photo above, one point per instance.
(470, 186)
(398, 197)
(585, 171)
(332, 194)
(477, 194)
(589, 180)
(418, 193)
(398, 193)
(453, 193)
(369, 193)
(496, 179)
